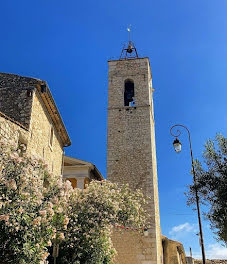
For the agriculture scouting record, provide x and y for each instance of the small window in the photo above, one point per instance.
(86, 182)
(73, 182)
(51, 136)
(129, 93)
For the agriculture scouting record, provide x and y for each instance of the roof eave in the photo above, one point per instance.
(54, 113)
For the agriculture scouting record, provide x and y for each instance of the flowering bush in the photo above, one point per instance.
(93, 213)
(32, 207)
(37, 208)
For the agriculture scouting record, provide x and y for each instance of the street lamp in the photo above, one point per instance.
(177, 146)
(146, 232)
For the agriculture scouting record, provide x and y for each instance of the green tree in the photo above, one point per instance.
(212, 184)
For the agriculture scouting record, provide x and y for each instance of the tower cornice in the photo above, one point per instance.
(131, 59)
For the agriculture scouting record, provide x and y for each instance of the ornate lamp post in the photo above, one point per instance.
(177, 146)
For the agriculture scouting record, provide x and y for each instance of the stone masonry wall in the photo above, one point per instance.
(39, 141)
(131, 153)
(11, 131)
(14, 101)
(133, 247)
(173, 252)
(31, 113)
(37, 137)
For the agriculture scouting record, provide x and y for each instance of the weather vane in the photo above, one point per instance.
(130, 52)
(129, 32)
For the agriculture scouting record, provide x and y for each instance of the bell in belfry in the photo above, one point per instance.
(130, 48)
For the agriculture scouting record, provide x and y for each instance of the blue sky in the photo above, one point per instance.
(67, 43)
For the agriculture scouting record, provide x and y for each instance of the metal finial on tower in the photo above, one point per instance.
(129, 32)
(130, 52)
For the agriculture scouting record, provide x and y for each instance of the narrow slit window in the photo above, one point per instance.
(86, 182)
(129, 93)
(51, 136)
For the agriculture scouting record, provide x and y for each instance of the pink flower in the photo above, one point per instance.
(45, 255)
(50, 211)
(14, 155)
(66, 221)
(61, 236)
(43, 213)
(12, 184)
(4, 218)
(37, 221)
(59, 210)
(20, 210)
(50, 205)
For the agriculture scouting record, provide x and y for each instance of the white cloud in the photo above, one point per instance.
(186, 232)
(183, 228)
(213, 251)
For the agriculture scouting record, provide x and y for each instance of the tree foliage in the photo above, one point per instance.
(32, 207)
(212, 184)
(38, 209)
(93, 213)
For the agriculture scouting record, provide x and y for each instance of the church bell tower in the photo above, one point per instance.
(131, 151)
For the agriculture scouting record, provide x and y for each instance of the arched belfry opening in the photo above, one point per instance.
(128, 92)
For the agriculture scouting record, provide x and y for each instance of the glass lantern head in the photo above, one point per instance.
(177, 145)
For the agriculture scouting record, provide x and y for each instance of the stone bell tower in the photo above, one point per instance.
(131, 151)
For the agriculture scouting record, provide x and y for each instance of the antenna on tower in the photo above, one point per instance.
(130, 52)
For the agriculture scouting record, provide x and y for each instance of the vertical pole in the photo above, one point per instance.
(55, 251)
(129, 33)
(199, 217)
(197, 202)
(196, 190)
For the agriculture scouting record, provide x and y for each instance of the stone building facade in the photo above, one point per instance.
(133, 247)
(28, 111)
(131, 159)
(173, 252)
(80, 172)
(10, 130)
(131, 151)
